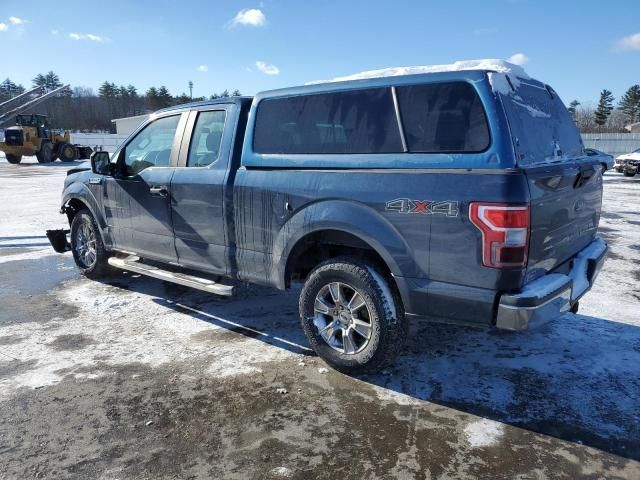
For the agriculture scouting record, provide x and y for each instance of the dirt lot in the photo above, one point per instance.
(135, 378)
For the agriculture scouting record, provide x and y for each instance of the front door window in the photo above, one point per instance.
(152, 146)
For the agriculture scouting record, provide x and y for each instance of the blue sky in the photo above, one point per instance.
(579, 47)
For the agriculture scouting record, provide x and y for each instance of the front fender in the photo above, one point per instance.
(349, 217)
(80, 191)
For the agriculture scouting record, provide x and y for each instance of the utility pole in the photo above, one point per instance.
(190, 89)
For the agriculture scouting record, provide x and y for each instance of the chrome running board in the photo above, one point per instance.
(133, 264)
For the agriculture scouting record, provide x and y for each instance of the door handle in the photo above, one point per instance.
(159, 191)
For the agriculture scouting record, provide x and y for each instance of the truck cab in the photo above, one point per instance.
(462, 195)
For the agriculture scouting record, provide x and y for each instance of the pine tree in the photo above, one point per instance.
(183, 98)
(151, 98)
(573, 106)
(107, 90)
(164, 97)
(630, 104)
(605, 107)
(8, 89)
(224, 94)
(39, 80)
(236, 93)
(52, 81)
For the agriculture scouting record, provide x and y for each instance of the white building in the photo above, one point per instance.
(126, 125)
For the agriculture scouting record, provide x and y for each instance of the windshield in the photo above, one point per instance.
(542, 128)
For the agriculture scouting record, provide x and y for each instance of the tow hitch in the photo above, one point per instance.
(58, 240)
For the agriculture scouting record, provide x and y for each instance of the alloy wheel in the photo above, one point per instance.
(342, 318)
(85, 244)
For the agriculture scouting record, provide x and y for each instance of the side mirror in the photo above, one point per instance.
(101, 163)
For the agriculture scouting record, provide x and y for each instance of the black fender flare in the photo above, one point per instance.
(346, 216)
(80, 192)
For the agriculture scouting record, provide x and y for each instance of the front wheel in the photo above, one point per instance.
(351, 316)
(45, 155)
(629, 173)
(15, 159)
(87, 246)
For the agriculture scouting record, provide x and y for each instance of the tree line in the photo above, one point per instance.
(81, 109)
(605, 117)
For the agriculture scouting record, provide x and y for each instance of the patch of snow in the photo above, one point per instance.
(534, 112)
(484, 433)
(544, 285)
(500, 66)
(386, 293)
(579, 271)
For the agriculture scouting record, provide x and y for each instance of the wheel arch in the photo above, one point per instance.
(76, 197)
(330, 228)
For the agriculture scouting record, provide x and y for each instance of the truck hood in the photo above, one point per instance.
(84, 166)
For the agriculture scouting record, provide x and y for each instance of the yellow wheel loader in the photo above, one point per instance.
(30, 136)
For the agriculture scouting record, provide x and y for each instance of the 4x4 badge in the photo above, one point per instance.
(426, 207)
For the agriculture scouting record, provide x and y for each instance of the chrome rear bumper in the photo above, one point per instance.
(550, 296)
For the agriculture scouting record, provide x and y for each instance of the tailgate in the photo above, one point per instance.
(565, 185)
(565, 210)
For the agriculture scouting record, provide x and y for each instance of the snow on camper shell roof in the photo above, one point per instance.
(487, 64)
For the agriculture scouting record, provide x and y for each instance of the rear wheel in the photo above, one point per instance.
(45, 155)
(67, 152)
(351, 316)
(13, 158)
(87, 246)
(627, 173)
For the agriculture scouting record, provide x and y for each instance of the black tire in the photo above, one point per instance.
(81, 242)
(67, 152)
(45, 155)
(15, 159)
(384, 315)
(629, 174)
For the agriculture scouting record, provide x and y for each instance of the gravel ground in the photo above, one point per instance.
(134, 378)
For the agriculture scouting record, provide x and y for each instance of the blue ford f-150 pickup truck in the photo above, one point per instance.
(461, 195)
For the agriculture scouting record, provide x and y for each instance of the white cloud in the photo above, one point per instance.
(267, 69)
(518, 59)
(202, 68)
(3, 27)
(249, 16)
(17, 20)
(54, 32)
(631, 42)
(87, 36)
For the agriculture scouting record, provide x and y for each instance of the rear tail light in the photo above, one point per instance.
(505, 233)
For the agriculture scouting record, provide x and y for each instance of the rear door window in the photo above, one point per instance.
(207, 137)
(443, 118)
(357, 121)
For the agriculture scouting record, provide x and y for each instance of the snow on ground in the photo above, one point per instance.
(578, 374)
